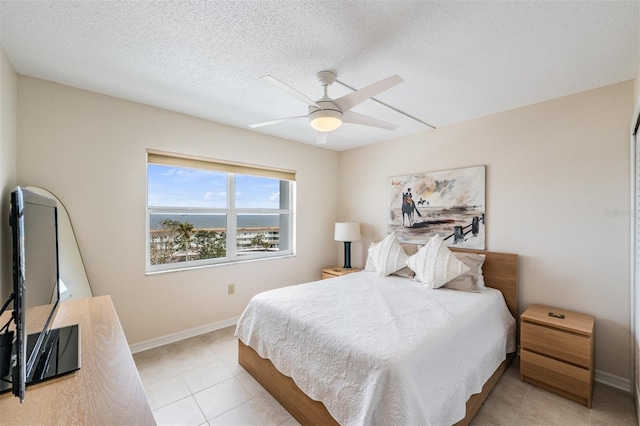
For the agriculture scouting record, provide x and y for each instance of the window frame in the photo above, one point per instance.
(231, 170)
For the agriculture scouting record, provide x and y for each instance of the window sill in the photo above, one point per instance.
(216, 265)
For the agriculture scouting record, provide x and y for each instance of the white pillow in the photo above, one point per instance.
(435, 265)
(369, 266)
(388, 256)
(405, 272)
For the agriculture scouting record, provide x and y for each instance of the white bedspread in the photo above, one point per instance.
(382, 351)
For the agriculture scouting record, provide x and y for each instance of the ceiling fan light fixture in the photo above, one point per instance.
(326, 124)
(326, 114)
(325, 120)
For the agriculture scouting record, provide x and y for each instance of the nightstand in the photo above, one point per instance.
(556, 351)
(337, 271)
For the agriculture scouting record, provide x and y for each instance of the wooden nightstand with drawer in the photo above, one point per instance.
(337, 271)
(556, 351)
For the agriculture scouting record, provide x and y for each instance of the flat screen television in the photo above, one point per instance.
(38, 351)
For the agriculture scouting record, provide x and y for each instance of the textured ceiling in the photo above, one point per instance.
(459, 60)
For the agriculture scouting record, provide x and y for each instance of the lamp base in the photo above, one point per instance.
(347, 255)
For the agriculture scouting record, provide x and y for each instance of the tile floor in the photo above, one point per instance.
(198, 382)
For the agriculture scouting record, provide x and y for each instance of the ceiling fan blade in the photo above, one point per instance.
(290, 90)
(356, 118)
(349, 101)
(321, 138)
(279, 120)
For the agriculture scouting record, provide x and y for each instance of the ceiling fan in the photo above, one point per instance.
(326, 114)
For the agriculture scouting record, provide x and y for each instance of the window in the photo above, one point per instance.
(202, 212)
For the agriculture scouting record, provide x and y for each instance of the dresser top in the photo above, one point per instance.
(572, 321)
(106, 390)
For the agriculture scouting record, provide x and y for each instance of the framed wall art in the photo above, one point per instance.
(450, 203)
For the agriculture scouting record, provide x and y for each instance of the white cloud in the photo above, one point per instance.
(209, 195)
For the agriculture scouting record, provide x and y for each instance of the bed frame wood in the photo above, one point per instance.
(500, 271)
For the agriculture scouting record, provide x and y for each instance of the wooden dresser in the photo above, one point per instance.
(336, 271)
(107, 389)
(556, 351)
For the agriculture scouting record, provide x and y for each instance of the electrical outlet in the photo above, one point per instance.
(231, 289)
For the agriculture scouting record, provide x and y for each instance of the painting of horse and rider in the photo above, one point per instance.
(450, 203)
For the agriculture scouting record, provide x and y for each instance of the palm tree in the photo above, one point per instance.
(185, 235)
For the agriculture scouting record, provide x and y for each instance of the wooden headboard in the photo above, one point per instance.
(500, 271)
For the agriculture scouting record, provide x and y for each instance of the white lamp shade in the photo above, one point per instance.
(347, 231)
(325, 120)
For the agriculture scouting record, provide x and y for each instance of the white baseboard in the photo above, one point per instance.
(613, 381)
(181, 335)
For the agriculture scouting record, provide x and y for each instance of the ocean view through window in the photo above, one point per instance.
(202, 212)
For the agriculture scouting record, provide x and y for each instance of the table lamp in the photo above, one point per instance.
(347, 232)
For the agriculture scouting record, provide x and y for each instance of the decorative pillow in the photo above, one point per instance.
(469, 281)
(405, 272)
(388, 256)
(368, 266)
(435, 265)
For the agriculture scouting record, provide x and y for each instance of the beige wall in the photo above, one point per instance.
(8, 170)
(555, 171)
(637, 84)
(636, 289)
(89, 150)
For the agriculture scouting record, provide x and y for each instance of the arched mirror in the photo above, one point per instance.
(75, 283)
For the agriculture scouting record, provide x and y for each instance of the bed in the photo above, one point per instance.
(384, 382)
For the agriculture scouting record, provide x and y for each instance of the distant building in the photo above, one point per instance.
(245, 235)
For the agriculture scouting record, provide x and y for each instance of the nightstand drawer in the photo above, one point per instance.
(568, 378)
(555, 343)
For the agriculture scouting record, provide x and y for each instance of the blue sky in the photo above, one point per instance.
(169, 186)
